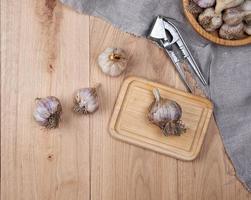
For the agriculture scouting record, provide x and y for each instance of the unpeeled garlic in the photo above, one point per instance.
(113, 61)
(232, 32)
(204, 3)
(48, 111)
(209, 20)
(86, 100)
(224, 4)
(246, 6)
(234, 16)
(194, 8)
(166, 114)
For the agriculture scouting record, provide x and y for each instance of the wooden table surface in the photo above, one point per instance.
(48, 49)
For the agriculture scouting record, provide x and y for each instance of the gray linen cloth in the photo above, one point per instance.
(228, 69)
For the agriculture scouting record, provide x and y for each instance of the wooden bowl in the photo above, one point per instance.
(211, 36)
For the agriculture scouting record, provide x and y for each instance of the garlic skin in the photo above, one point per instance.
(47, 112)
(86, 100)
(246, 7)
(204, 3)
(209, 20)
(233, 16)
(224, 4)
(112, 61)
(247, 29)
(166, 114)
(194, 8)
(232, 32)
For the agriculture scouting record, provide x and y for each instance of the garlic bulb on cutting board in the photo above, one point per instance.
(166, 114)
(113, 61)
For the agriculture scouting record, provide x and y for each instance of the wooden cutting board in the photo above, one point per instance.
(129, 121)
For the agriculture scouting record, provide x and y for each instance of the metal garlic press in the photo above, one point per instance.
(167, 36)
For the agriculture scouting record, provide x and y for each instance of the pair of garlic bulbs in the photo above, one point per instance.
(48, 110)
(231, 18)
(166, 114)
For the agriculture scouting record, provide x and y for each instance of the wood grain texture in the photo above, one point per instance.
(129, 121)
(35, 163)
(48, 49)
(213, 37)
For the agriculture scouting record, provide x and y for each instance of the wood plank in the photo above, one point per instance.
(211, 175)
(44, 52)
(119, 170)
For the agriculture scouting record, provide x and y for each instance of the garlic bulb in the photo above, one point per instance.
(166, 114)
(204, 3)
(232, 32)
(209, 20)
(86, 100)
(112, 61)
(48, 111)
(224, 4)
(194, 8)
(234, 16)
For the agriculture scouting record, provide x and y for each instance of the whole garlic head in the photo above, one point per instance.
(204, 3)
(166, 114)
(232, 32)
(224, 4)
(209, 20)
(86, 100)
(112, 61)
(233, 16)
(47, 112)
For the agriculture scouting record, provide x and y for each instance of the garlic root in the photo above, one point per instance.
(48, 111)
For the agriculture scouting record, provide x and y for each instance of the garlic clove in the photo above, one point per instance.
(47, 112)
(204, 3)
(113, 61)
(86, 100)
(209, 20)
(224, 4)
(232, 32)
(166, 114)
